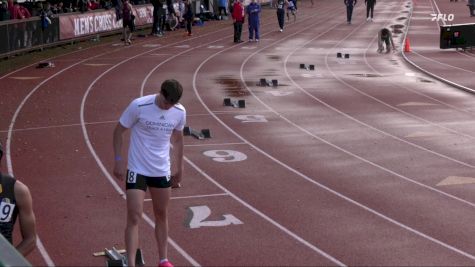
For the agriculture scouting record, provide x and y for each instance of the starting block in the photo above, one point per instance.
(264, 82)
(45, 65)
(340, 55)
(241, 103)
(204, 133)
(310, 67)
(116, 259)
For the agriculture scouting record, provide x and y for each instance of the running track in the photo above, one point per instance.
(364, 161)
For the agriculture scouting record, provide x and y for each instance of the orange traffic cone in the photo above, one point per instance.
(407, 46)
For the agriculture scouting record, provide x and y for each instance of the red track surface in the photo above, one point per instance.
(340, 165)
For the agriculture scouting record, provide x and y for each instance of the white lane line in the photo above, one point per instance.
(58, 126)
(194, 196)
(220, 144)
(96, 157)
(470, 90)
(349, 153)
(262, 215)
(367, 161)
(41, 248)
(188, 257)
(101, 165)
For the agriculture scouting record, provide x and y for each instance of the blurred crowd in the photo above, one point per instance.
(10, 9)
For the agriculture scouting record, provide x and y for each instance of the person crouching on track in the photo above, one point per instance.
(238, 19)
(155, 121)
(16, 202)
(253, 12)
(385, 37)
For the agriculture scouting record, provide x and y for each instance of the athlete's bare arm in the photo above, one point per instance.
(119, 162)
(26, 218)
(177, 140)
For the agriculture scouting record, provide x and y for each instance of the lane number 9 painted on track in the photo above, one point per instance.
(225, 155)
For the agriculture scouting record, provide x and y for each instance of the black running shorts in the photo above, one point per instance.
(138, 181)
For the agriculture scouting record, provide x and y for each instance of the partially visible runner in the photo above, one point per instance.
(155, 121)
(16, 202)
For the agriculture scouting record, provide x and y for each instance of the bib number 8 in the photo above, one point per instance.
(131, 177)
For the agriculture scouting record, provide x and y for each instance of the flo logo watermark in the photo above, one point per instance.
(442, 17)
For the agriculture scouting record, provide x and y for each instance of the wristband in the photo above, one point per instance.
(118, 158)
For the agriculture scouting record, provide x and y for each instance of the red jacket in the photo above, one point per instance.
(238, 12)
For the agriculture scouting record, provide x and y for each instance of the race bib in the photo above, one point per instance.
(131, 177)
(6, 211)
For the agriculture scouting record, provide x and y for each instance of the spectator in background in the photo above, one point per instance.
(188, 16)
(127, 22)
(369, 8)
(291, 10)
(222, 7)
(471, 7)
(16, 12)
(118, 6)
(253, 11)
(60, 8)
(156, 10)
(350, 4)
(238, 19)
(10, 7)
(281, 13)
(4, 12)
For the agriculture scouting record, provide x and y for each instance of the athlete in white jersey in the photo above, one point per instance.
(154, 121)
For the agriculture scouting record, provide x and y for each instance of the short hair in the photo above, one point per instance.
(172, 90)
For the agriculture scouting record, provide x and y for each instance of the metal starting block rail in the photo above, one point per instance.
(264, 82)
(339, 55)
(309, 67)
(241, 103)
(204, 133)
(116, 259)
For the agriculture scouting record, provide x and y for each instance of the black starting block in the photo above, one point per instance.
(340, 55)
(310, 67)
(264, 82)
(204, 133)
(241, 103)
(45, 65)
(116, 259)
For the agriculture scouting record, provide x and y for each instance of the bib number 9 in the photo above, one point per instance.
(6, 211)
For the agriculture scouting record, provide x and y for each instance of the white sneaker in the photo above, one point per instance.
(281, 30)
(368, 19)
